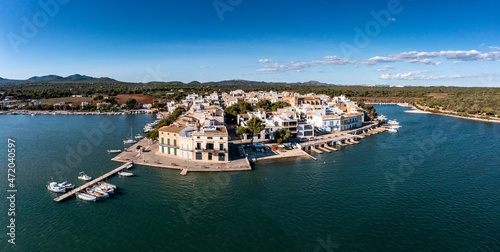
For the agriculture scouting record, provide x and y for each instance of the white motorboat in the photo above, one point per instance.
(392, 130)
(382, 118)
(393, 122)
(115, 151)
(53, 186)
(84, 176)
(86, 197)
(129, 166)
(125, 174)
(66, 185)
(138, 136)
(97, 193)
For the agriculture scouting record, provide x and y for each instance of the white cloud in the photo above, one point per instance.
(494, 48)
(426, 57)
(424, 61)
(421, 75)
(267, 60)
(293, 66)
(384, 68)
(204, 67)
(393, 19)
(414, 75)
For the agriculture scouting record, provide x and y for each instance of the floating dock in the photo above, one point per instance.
(91, 183)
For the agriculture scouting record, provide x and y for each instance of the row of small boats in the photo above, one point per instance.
(100, 190)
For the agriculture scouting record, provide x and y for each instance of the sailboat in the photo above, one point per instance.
(130, 140)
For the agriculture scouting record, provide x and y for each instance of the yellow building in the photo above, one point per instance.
(169, 139)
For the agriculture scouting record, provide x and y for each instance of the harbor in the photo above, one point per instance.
(92, 182)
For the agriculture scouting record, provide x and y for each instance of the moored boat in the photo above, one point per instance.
(66, 185)
(86, 197)
(125, 174)
(392, 130)
(115, 151)
(97, 193)
(53, 186)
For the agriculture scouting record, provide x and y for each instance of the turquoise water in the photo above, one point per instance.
(433, 186)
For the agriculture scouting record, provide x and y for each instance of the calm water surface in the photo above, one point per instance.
(433, 186)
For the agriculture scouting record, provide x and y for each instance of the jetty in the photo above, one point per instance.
(91, 183)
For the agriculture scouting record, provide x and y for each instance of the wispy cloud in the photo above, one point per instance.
(424, 61)
(427, 57)
(422, 75)
(268, 60)
(204, 67)
(384, 68)
(294, 66)
(496, 48)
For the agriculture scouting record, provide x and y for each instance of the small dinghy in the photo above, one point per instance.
(125, 174)
(84, 176)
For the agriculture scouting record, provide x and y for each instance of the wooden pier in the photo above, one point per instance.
(91, 183)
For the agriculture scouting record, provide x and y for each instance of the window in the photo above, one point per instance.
(210, 146)
(209, 137)
(198, 146)
(199, 156)
(175, 151)
(162, 140)
(162, 149)
(209, 156)
(221, 146)
(168, 150)
(175, 142)
(168, 141)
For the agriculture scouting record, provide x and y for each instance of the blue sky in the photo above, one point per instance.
(341, 42)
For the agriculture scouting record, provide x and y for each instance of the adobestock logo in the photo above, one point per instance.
(30, 28)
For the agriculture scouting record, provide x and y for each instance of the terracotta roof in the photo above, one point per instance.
(330, 116)
(354, 114)
(172, 128)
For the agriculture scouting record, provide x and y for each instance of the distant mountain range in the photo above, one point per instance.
(56, 78)
(78, 78)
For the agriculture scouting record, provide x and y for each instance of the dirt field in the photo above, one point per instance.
(74, 100)
(439, 95)
(140, 98)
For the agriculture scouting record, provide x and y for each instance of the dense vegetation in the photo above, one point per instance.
(470, 102)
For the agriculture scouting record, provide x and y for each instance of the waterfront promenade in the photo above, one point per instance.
(150, 155)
